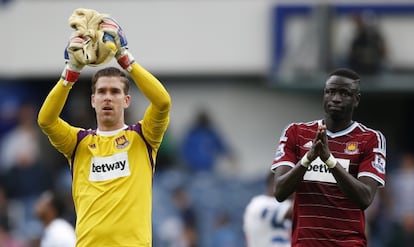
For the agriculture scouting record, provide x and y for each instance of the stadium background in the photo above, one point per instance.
(255, 65)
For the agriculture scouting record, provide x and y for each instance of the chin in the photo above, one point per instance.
(107, 121)
(337, 116)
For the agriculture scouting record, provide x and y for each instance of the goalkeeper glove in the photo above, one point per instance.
(124, 58)
(73, 56)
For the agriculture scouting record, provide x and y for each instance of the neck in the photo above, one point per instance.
(335, 125)
(110, 132)
(103, 127)
(48, 220)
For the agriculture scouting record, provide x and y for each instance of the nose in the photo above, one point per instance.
(336, 97)
(107, 96)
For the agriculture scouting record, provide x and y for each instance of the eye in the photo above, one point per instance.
(345, 93)
(116, 91)
(342, 93)
(329, 91)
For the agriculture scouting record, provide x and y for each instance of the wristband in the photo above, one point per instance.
(331, 162)
(69, 76)
(126, 61)
(305, 161)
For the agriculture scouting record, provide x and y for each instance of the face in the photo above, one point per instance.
(42, 206)
(110, 102)
(341, 96)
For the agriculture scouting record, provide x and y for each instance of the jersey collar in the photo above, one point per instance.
(342, 132)
(111, 132)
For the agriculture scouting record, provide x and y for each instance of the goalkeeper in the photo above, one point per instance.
(112, 166)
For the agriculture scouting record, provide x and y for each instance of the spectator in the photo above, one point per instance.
(171, 233)
(368, 49)
(224, 234)
(181, 229)
(166, 158)
(4, 207)
(24, 175)
(401, 184)
(22, 140)
(58, 232)
(6, 239)
(203, 145)
(400, 189)
(182, 203)
(402, 233)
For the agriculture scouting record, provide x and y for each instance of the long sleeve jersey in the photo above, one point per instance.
(112, 173)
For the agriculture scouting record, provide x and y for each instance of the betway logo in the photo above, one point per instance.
(318, 171)
(109, 167)
(319, 168)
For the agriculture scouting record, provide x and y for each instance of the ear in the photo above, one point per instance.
(93, 100)
(127, 101)
(357, 99)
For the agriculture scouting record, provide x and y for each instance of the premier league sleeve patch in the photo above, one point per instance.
(280, 152)
(379, 164)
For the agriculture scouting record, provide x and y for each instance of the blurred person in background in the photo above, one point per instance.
(333, 166)
(401, 184)
(167, 153)
(267, 222)
(368, 49)
(400, 190)
(224, 232)
(377, 220)
(203, 145)
(25, 176)
(22, 140)
(57, 232)
(6, 236)
(24, 182)
(7, 239)
(170, 233)
(181, 228)
(4, 206)
(401, 233)
(186, 212)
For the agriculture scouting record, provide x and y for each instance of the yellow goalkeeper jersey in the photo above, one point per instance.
(111, 171)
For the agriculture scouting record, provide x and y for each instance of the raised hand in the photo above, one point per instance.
(111, 27)
(73, 56)
(323, 147)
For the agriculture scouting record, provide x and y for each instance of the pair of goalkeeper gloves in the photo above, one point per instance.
(114, 37)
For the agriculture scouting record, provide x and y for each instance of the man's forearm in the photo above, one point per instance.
(53, 104)
(151, 87)
(286, 180)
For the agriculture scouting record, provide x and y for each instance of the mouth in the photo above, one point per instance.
(107, 109)
(334, 108)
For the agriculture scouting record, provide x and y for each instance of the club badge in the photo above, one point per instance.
(121, 142)
(351, 148)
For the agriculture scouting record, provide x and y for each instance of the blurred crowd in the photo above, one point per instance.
(30, 168)
(194, 205)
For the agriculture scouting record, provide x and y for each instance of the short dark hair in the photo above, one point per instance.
(347, 73)
(110, 71)
(58, 203)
